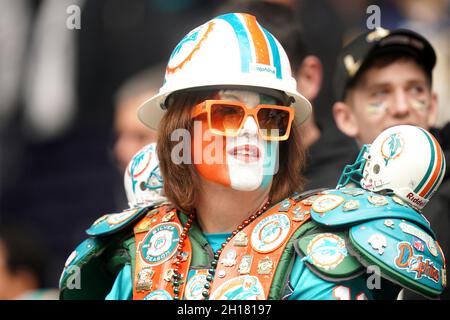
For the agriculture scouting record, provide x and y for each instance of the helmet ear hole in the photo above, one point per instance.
(143, 186)
(376, 169)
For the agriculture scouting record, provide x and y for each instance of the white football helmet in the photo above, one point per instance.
(142, 179)
(406, 160)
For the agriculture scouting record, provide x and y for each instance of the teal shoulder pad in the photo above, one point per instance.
(74, 282)
(114, 222)
(349, 206)
(405, 253)
(326, 255)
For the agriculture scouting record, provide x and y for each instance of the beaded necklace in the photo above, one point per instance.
(176, 278)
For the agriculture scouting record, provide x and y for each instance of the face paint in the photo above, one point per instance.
(376, 108)
(247, 162)
(419, 105)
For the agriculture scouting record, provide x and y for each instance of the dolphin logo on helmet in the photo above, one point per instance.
(229, 50)
(404, 160)
(142, 179)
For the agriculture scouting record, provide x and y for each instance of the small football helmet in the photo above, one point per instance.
(406, 160)
(142, 179)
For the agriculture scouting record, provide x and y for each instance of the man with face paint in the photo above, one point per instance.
(235, 226)
(383, 78)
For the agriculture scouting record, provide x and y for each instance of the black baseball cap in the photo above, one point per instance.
(358, 53)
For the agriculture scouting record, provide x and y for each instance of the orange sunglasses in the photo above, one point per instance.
(226, 118)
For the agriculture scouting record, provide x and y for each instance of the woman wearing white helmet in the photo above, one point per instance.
(231, 158)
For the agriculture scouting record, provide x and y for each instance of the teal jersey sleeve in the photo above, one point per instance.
(305, 285)
(123, 285)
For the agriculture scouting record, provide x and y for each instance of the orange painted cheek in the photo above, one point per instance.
(209, 154)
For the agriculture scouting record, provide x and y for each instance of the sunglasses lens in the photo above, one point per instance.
(226, 117)
(274, 122)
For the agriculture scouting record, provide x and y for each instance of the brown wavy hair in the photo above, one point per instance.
(182, 182)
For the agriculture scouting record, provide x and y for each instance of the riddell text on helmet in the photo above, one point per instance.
(415, 200)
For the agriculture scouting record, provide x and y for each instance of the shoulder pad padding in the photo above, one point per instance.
(405, 253)
(114, 222)
(350, 206)
(79, 257)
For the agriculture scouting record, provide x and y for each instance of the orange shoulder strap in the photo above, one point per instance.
(157, 236)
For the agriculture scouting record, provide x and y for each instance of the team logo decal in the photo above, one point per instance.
(392, 147)
(270, 233)
(158, 295)
(240, 288)
(187, 47)
(117, 218)
(410, 229)
(419, 246)
(326, 251)
(327, 202)
(416, 264)
(160, 243)
(195, 285)
(140, 163)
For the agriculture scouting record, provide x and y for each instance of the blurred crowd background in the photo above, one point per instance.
(68, 100)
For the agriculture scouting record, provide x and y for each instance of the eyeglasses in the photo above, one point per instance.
(226, 118)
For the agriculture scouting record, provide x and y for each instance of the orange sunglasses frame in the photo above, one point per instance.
(205, 107)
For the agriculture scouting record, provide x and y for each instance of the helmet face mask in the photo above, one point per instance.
(407, 161)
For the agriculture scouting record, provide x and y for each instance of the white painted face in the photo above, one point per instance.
(251, 160)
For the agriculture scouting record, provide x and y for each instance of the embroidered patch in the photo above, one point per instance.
(160, 243)
(270, 233)
(195, 285)
(326, 251)
(240, 288)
